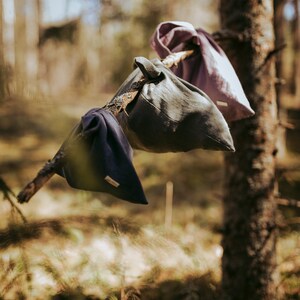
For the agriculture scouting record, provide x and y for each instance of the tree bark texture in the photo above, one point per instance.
(280, 41)
(2, 67)
(296, 63)
(279, 30)
(249, 238)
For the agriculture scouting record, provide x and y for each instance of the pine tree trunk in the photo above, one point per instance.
(20, 43)
(2, 65)
(249, 238)
(279, 31)
(296, 65)
(32, 40)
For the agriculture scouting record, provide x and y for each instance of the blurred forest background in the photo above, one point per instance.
(58, 59)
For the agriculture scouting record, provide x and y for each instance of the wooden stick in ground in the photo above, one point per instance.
(169, 204)
(50, 168)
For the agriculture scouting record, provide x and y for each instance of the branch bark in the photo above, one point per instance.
(47, 171)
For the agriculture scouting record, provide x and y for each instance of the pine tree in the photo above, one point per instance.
(249, 237)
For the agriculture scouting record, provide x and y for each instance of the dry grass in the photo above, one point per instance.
(103, 254)
(80, 245)
(109, 252)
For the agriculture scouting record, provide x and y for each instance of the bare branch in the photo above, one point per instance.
(176, 58)
(270, 55)
(288, 202)
(41, 178)
(7, 192)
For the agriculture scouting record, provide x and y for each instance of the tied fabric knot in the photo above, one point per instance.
(209, 68)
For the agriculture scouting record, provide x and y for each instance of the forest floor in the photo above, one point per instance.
(83, 245)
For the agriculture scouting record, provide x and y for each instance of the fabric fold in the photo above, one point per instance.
(209, 68)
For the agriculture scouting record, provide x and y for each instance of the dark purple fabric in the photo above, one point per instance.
(209, 69)
(102, 161)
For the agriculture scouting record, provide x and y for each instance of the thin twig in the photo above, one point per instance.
(288, 202)
(175, 58)
(15, 207)
(226, 34)
(42, 177)
(7, 192)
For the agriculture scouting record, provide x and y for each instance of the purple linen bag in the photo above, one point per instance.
(209, 69)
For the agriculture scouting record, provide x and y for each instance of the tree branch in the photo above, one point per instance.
(47, 171)
(288, 202)
(226, 34)
(6, 196)
(175, 58)
(270, 55)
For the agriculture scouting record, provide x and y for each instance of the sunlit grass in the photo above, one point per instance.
(103, 253)
(75, 245)
(78, 244)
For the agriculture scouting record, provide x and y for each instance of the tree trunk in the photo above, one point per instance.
(32, 40)
(2, 65)
(20, 46)
(296, 64)
(249, 238)
(279, 30)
